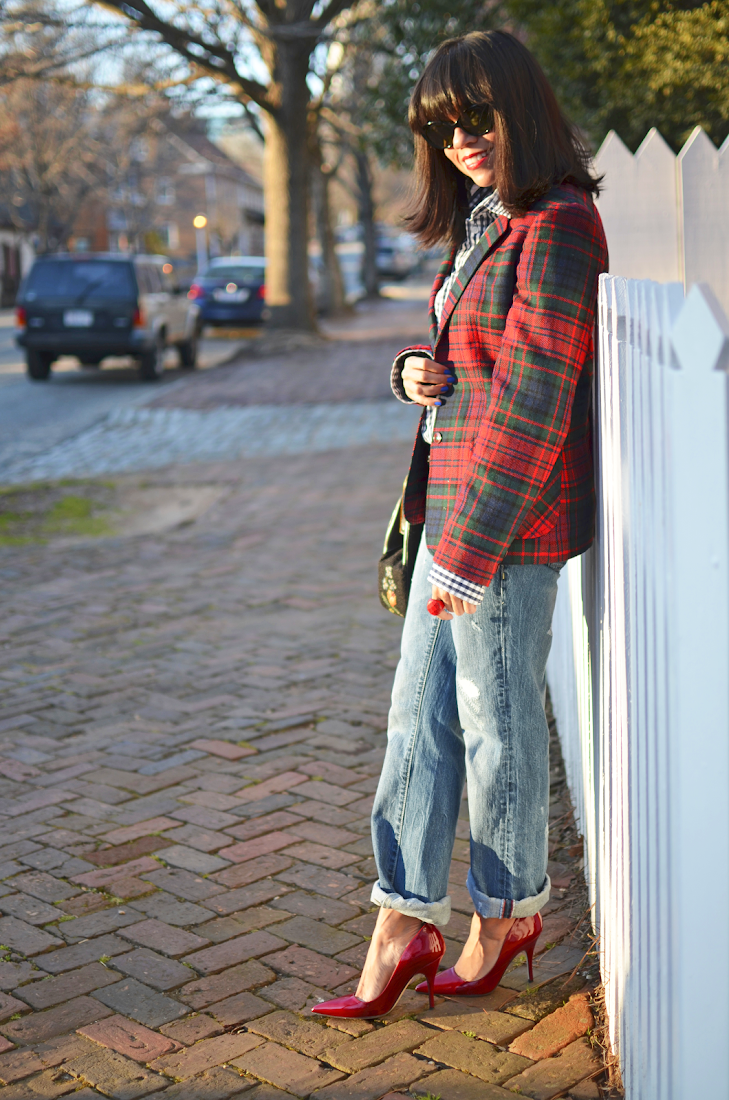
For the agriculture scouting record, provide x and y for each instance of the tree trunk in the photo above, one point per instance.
(366, 213)
(332, 298)
(285, 171)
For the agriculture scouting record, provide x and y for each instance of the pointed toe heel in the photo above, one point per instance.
(421, 956)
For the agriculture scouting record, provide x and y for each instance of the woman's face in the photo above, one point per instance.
(474, 156)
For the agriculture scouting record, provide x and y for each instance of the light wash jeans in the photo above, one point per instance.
(468, 704)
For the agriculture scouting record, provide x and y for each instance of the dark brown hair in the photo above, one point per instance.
(536, 146)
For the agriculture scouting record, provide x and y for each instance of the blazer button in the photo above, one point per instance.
(438, 437)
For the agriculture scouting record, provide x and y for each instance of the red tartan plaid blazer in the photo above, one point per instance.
(509, 475)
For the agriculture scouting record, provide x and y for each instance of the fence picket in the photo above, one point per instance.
(639, 685)
(703, 173)
(639, 207)
(700, 696)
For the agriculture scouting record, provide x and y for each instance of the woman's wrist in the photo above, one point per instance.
(456, 586)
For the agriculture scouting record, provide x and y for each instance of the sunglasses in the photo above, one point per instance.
(476, 121)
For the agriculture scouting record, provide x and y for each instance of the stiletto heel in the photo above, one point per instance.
(430, 974)
(421, 956)
(530, 959)
(522, 936)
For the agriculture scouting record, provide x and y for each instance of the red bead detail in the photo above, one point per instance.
(436, 606)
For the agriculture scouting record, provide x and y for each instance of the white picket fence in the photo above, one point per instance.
(667, 217)
(639, 678)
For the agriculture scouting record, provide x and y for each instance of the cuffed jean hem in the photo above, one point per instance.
(432, 912)
(505, 907)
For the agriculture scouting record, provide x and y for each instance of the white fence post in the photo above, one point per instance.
(642, 627)
(699, 645)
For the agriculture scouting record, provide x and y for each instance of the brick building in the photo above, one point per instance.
(174, 173)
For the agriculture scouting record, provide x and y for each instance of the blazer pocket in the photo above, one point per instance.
(543, 516)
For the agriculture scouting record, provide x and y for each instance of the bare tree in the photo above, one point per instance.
(227, 40)
(53, 125)
(332, 297)
(350, 142)
(342, 111)
(50, 156)
(40, 41)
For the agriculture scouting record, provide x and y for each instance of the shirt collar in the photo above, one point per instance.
(483, 200)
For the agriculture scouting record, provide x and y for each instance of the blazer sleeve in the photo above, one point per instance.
(547, 340)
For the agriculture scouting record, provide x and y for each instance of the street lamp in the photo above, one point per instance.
(200, 222)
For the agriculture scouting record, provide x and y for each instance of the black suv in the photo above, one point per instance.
(99, 304)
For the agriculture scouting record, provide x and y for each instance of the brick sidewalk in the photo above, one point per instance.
(334, 369)
(191, 729)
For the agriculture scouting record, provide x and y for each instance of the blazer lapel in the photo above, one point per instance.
(443, 272)
(491, 237)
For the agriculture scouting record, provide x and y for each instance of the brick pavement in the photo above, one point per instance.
(191, 729)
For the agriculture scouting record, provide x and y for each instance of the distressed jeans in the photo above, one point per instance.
(468, 705)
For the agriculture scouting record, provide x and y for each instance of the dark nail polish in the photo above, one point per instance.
(444, 389)
(439, 402)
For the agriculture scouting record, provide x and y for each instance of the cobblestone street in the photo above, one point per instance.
(192, 724)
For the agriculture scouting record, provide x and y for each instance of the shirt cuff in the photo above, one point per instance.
(396, 373)
(457, 586)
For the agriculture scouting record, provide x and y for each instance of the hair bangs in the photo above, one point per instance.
(452, 81)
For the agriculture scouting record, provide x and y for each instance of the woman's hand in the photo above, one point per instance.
(453, 606)
(424, 381)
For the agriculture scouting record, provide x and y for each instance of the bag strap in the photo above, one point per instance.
(393, 538)
(403, 522)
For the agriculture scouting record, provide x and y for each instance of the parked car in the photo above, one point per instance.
(97, 304)
(397, 255)
(231, 291)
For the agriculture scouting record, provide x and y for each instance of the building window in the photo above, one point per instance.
(165, 191)
(170, 235)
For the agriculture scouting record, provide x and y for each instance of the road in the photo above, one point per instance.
(35, 416)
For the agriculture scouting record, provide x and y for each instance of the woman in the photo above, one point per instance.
(502, 476)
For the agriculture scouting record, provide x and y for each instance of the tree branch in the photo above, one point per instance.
(340, 123)
(142, 16)
(331, 11)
